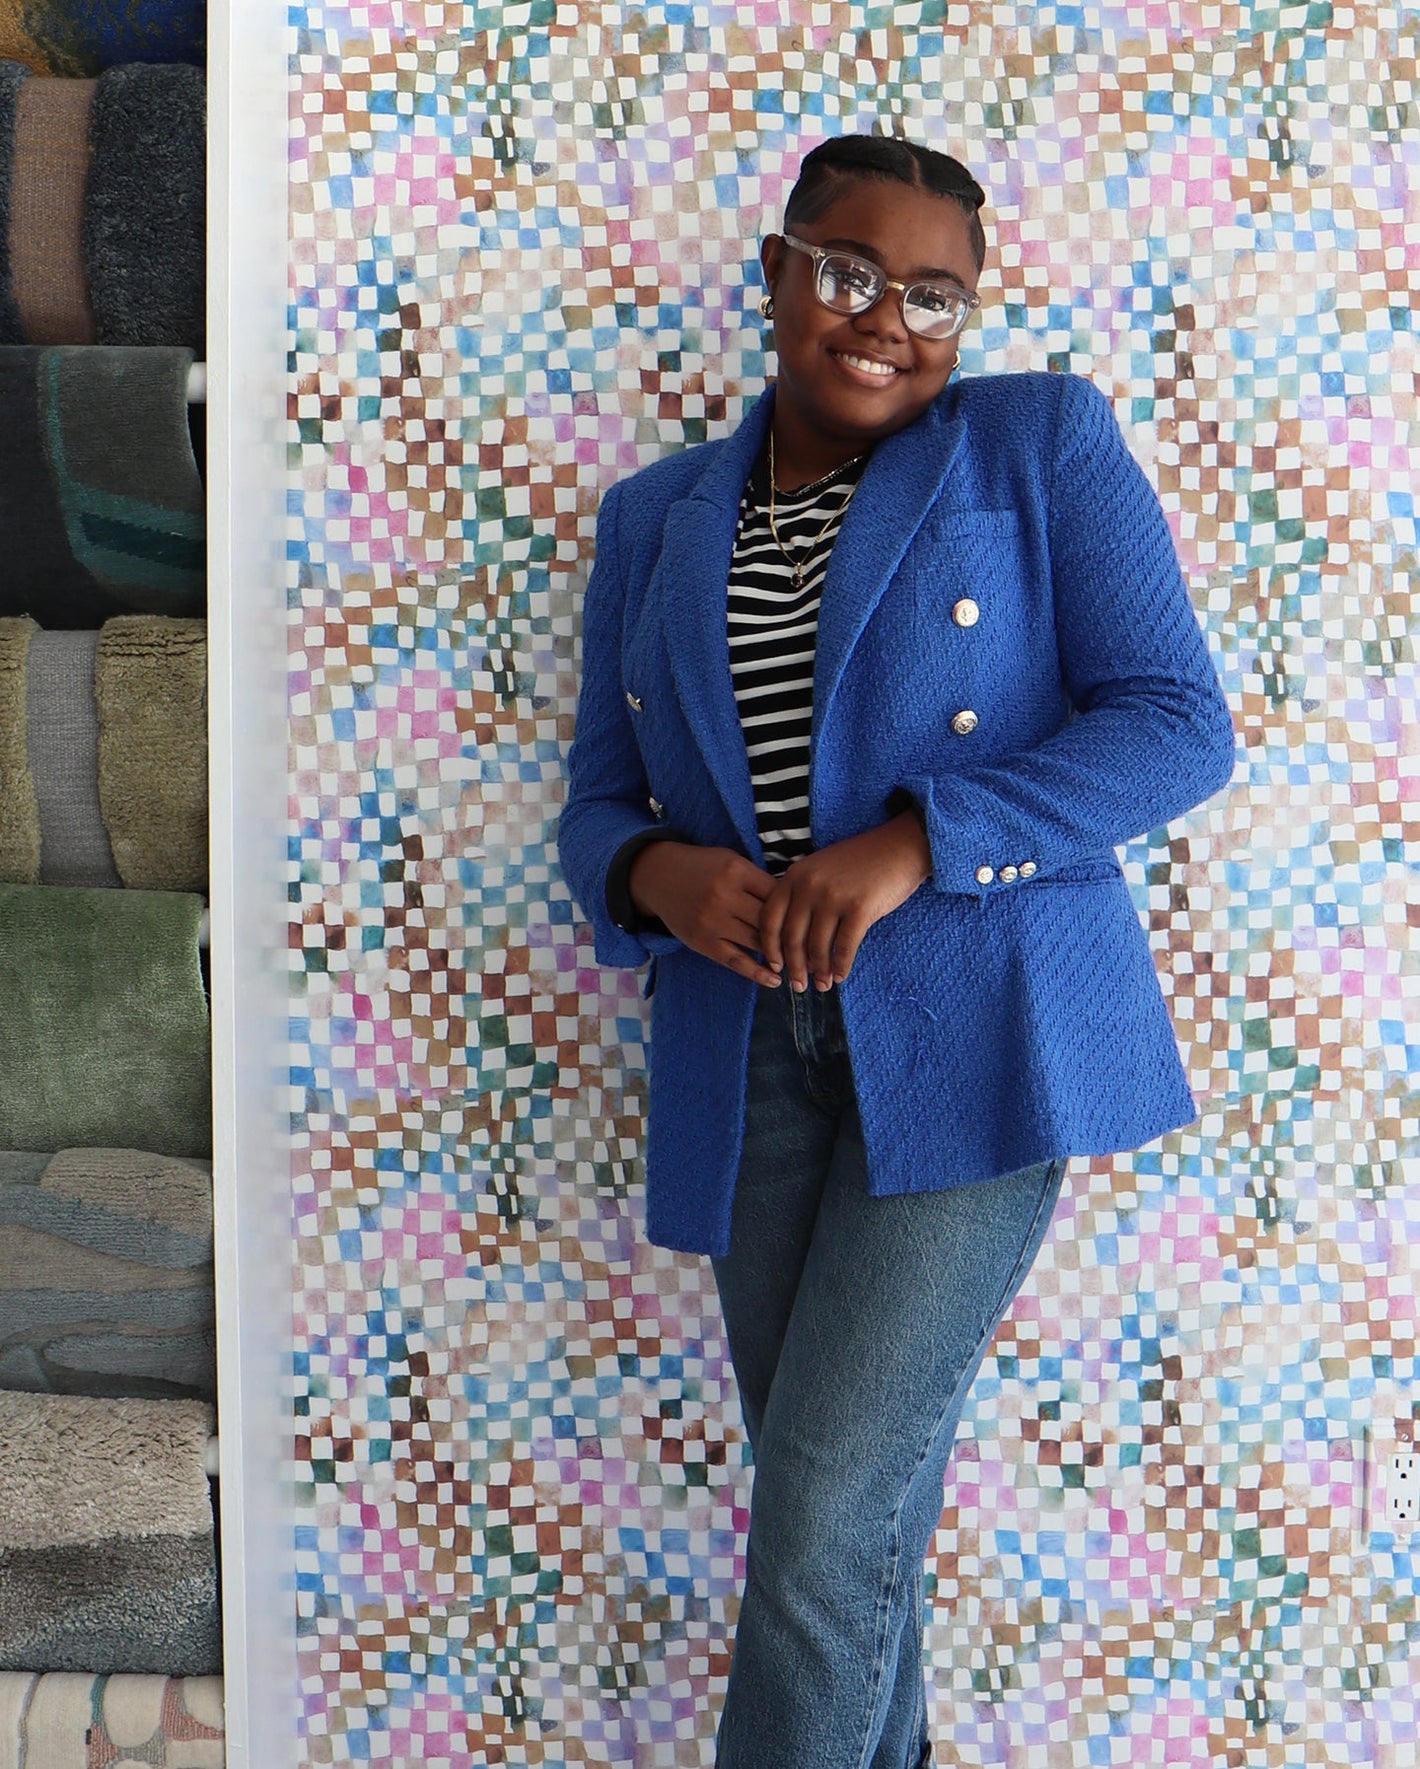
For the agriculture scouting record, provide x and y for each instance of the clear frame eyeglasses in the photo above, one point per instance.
(848, 284)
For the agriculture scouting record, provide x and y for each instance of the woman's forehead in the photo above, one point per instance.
(900, 225)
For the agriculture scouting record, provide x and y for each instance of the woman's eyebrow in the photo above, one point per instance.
(923, 271)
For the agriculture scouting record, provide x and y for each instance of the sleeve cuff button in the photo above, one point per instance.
(984, 875)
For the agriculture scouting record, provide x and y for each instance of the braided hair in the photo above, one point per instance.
(824, 171)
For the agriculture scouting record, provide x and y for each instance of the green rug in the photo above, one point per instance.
(19, 809)
(104, 1036)
(150, 687)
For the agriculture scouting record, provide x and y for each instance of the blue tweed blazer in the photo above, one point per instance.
(1009, 1011)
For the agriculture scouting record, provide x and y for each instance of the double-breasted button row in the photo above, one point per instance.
(986, 875)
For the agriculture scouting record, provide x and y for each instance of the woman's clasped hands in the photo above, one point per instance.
(805, 926)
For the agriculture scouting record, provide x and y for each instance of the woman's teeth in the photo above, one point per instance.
(868, 366)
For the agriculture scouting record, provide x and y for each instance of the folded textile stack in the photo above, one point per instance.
(67, 1720)
(106, 1543)
(103, 753)
(108, 1587)
(106, 1274)
(104, 1040)
(78, 37)
(103, 207)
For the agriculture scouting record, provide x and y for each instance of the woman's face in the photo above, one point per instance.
(848, 379)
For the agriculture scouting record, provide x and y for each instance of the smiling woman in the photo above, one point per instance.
(871, 690)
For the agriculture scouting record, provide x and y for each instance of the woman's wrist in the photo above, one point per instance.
(910, 833)
(641, 877)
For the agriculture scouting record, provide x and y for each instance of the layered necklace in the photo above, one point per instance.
(800, 565)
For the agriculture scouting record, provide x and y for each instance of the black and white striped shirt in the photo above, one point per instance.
(773, 632)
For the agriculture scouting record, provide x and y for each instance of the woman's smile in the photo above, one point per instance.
(874, 367)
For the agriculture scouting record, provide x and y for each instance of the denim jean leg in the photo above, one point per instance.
(895, 1303)
(788, 1146)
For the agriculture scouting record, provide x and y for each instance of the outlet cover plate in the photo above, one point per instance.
(1402, 1490)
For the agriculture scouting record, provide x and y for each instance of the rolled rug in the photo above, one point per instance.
(145, 210)
(106, 1274)
(19, 806)
(101, 501)
(104, 1035)
(48, 180)
(107, 1560)
(150, 689)
(103, 754)
(73, 1720)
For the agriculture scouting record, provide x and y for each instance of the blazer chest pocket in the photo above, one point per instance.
(964, 573)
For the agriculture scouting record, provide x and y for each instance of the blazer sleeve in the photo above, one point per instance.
(608, 794)
(1150, 736)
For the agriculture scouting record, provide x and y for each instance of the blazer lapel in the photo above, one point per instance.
(897, 489)
(694, 568)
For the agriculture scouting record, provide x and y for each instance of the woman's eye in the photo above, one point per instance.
(934, 298)
(850, 278)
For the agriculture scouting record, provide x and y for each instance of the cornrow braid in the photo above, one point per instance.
(827, 167)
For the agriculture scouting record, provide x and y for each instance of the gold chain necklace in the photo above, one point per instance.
(797, 566)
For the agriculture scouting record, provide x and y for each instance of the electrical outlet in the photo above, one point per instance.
(1402, 1489)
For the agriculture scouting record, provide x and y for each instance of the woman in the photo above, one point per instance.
(871, 690)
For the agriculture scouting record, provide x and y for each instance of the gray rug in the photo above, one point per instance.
(107, 1560)
(145, 217)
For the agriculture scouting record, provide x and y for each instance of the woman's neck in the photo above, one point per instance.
(801, 457)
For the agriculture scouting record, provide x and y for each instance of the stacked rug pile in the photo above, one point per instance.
(109, 1624)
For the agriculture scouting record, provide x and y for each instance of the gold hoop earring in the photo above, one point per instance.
(766, 307)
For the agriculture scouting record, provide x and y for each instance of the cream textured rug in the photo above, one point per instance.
(71, 1720)
(106, 1543)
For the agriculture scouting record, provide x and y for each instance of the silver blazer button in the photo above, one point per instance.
(632, 701)
(965, 722)
(966, 613)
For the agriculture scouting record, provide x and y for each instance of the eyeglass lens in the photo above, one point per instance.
(850, 285)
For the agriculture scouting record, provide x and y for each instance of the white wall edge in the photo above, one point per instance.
(246, 355)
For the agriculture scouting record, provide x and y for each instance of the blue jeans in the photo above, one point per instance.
(856, 1325)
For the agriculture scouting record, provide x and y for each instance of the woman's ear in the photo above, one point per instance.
(771, 257)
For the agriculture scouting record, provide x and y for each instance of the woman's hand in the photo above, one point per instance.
(709, 898)
(816, 915)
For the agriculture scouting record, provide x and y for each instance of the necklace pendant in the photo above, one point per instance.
(798, 578)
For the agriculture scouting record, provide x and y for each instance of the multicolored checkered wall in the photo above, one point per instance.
(524, 261)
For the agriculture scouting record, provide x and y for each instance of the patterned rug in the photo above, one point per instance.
(71, 1720)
